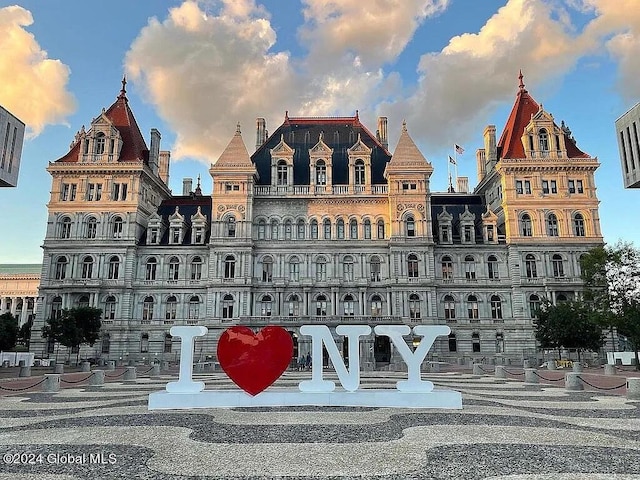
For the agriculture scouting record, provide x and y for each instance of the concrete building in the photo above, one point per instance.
(11, 140)
(19, 290)
(322, 224)
(627, 127)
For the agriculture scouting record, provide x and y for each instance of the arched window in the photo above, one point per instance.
(374, 265)
(340, 228)
(367, 229)
(229, 267)
(274, 229)
(144, 343)
(65, 228)
(530, 266)
(262, 228)
(376, 306)
(294, 269)
(552, 225)
(288, 230)
(492, 267)
(151, 266)
(117, 227)
(449, 307)
(578, 225)
(99, 145)
(534, 305)
(265, 305)
(326, 225)
(56, 307)
(114, 268)
(227, 306)
(496, 307)
(348, 305)
(147, 308)
(414, 306)
(411, 226)
(525, 224)
(168, 341)
(353, 229)
(321, 306)
(470, 267)
(472, 307)
(61, 268)
(282, 173)
(294, 305)
(412, 266)
(174, 268)
(321, 269)
(314, 229)
(475, 342)
(321, 173)
(543, 138)
(87, 267)
(380, 229)
(447, 268)
(453, 343)
(359, 172)
(300, 229)
(347, 268)
(196, 268)
(91, 228)
(172, 308)
(110, 308)
(267, 269)
(105, 344)
(231, 226)
(194, 307)
(558, 266)
(561, 298)
(499, 343)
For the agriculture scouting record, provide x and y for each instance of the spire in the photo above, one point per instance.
(198, 189)
(123, 90)
(238, 132)
(235, 155)
(521, 86)
(407, 155)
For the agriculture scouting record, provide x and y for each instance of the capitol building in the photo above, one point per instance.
(325, 223)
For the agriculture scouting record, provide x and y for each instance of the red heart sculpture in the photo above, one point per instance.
(254, 361)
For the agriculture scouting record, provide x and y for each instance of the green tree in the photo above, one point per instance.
(24, 334)
(570, 325)
(74, 327)
(8, 331)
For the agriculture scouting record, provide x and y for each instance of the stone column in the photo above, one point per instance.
(500, 372)
(130, 373)
(51, 383)
(609, 369)
(97, 378)
(477, 370)
(573, 382)
(633, 388)
(530, 375)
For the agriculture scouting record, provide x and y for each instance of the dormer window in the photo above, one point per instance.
(445, 233)
(359, 172)
(282, 173)
(175, 235)
(99, 144)
(543, 140)
(321, 173)
(198, 235)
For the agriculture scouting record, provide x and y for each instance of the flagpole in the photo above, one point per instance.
(449, 169)
(455, 165)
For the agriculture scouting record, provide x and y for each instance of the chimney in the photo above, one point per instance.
(261, 132)
(163, 166)
(382, 132)
(481, 163)
(463, 184)
(154, 150)
(187, 184)
(490, 148)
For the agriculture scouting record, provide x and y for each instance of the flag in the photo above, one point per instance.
(459, 149)
(452, 160)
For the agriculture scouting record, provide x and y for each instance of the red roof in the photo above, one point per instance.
(134, 147)
(510, 143)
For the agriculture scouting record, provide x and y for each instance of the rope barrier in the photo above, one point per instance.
(22, 389)
(115, 376)
(514, 373)
(483, 370)
(548, 379)
(144, 373)
(600, 388)
(77, 381)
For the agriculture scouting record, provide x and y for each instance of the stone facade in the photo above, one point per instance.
(627, 127)
(322, 224)
(19, 290)
(11, 140)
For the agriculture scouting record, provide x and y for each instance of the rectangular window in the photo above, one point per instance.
(572, 186)
(74, 189)
(115, 191)
(348, 272)
(545, 186)
(294, 272)
(6, 142)
(13, 146)
(554, 187)
(64, 192)
(91, 191)
(579, 188)
(527, 187)
(519, 186)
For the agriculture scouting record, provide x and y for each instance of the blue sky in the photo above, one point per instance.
(449, 67)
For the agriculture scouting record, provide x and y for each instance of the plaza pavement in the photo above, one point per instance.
(507, 430)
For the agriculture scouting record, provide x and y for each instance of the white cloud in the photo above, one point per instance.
(33, 87)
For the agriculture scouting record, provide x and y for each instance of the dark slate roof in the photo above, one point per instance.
(188, 206)
(455, 204)
(340, 133)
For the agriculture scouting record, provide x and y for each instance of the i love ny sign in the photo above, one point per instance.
(254, 361)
